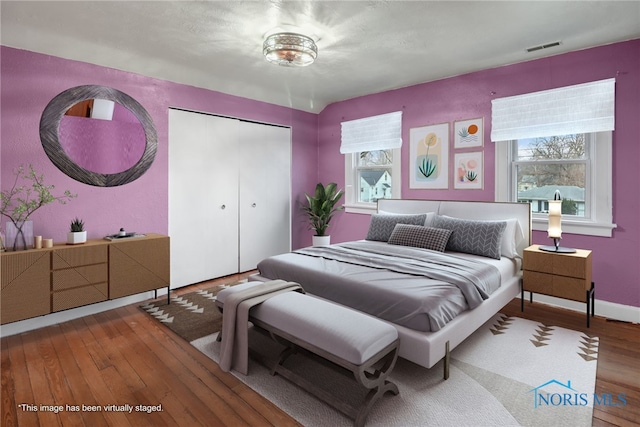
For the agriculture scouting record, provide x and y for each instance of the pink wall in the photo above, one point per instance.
(31, 80)
(616, 260)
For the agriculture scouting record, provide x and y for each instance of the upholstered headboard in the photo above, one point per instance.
(466, 210)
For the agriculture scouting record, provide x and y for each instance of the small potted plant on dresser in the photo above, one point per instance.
(77, 234)
(320, 209)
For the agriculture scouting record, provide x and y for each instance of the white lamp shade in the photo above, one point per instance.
(554, 230)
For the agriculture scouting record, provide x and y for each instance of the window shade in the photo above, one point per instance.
(581, 108)
(372, 133)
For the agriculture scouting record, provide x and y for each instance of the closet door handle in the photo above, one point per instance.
(223, 207)
(253, 205)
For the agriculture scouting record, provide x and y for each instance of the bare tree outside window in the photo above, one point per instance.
(547, 164)
(376, 158)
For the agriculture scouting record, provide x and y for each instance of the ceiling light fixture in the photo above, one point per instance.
(290, 49)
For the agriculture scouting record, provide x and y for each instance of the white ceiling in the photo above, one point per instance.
(364, 46)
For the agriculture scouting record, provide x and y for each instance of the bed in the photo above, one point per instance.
(435, 297)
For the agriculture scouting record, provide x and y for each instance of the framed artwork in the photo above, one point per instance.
(468, 133)
(468, 171)
(429, 157)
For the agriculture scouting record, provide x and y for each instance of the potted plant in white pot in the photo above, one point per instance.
(320, 209)
(77, 233)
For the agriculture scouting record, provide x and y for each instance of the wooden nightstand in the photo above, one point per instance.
(560, 275)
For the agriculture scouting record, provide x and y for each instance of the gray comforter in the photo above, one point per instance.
(416, 288)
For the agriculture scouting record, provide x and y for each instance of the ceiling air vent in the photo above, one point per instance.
(543, 46)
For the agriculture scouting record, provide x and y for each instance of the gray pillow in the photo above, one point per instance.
(382, 226)
(473, 237)
(420, 237)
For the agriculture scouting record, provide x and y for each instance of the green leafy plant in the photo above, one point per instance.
(321, 207)
(77, 225)
(427, 168)
(471, 175)
(21, 201)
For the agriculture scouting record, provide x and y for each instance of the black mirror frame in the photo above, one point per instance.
(50, 123)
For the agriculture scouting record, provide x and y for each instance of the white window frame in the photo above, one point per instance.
(598, 221)
(352, 205)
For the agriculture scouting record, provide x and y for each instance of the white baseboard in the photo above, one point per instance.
(610, 310)
(63, 316)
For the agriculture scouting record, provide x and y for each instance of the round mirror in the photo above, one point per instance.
(98, 135)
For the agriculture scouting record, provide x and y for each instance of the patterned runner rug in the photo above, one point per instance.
(511, 371)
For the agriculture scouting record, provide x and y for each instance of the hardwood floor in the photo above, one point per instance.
(122, 356)
(618, 357)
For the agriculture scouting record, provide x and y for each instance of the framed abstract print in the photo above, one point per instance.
(468, 133)
(468, 171)
(429, 157)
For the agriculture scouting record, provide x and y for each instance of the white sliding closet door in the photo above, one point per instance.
(203, 196)
(265, 192)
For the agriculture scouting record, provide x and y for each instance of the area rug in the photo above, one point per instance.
(511, 371)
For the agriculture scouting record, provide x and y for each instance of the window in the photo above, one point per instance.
(558, 139)
(369, 176)
(371, 146)
(577, 165)
(543, 166)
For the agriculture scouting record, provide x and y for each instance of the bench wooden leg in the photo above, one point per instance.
(372, 375)
(371, 399)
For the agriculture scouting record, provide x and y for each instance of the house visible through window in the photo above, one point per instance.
(369, 176)
(577, 165)
(542, 166)
(373, 174)
(371, 146)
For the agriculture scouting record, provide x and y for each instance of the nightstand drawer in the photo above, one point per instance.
(534, 281)
(571, 265)
(558, 286)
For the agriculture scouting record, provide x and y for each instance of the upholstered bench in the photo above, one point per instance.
(365, 346)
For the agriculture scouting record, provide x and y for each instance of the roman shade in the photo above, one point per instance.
(381, 132)
(582, 108)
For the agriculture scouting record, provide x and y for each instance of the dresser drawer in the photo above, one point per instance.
(80, 296)
(75, 256)
(79, 276)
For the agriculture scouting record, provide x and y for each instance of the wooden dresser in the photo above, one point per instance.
(36, 282)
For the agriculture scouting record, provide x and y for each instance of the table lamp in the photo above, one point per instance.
(554, 230)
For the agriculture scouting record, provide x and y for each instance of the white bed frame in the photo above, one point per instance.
(428, 348)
